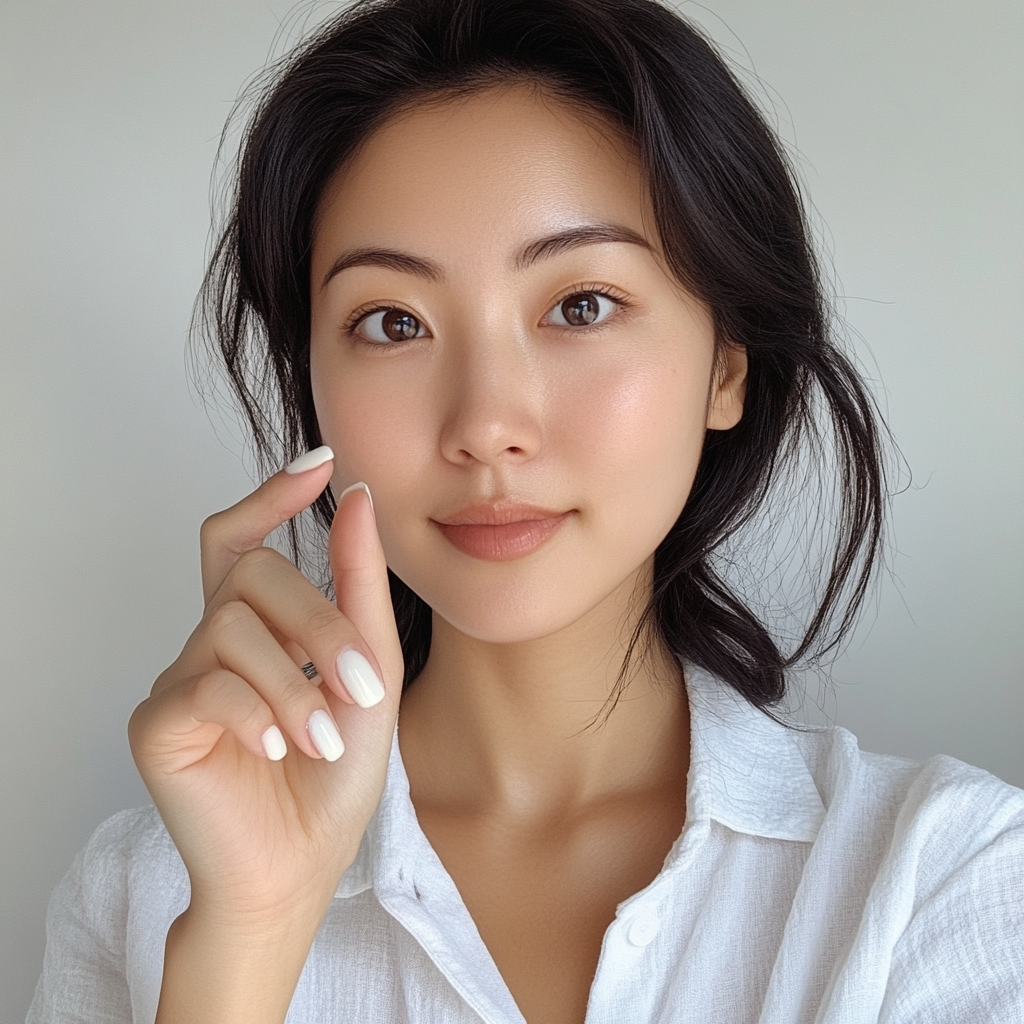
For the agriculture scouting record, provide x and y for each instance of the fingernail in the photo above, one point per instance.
(312, 459)
(324, 734)
(356, 487)
(359, 678)
(274, 745)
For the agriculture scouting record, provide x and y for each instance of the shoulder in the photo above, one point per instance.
(129, 857)
(106, 923)
(956, 868)
(927, 820)
(842, 770)
(924, 796)
(931, 853)
(943, 795)
(128, 838)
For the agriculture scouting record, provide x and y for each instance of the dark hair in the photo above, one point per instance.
(733, 230)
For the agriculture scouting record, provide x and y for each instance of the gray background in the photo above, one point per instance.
(907, 116)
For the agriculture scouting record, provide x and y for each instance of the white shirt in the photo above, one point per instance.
(811, 883)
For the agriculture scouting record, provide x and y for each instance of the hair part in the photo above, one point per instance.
(733, 230)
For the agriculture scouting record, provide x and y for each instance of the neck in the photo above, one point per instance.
(527, 729)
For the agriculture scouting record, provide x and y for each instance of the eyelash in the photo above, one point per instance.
(591, 288)
(583, 287)
(350, 325)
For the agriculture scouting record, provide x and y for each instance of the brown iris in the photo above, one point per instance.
(581, 309)
(399, 325)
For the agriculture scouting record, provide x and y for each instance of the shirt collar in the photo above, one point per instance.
(393, 841)
(747, 772)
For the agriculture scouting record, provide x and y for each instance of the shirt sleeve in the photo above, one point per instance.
(84, 976)
(961, 958)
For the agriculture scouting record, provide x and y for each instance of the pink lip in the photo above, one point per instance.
(501, 531)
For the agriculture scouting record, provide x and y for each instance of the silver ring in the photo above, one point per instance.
(309, 671)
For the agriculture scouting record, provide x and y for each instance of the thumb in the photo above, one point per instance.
(361, 581)
(225, 536)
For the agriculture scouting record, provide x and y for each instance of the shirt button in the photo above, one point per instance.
(643, 928)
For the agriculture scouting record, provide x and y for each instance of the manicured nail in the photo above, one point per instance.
(312, 459)
(359, 678)
(324, 734)
(356, 487)
(274, 745)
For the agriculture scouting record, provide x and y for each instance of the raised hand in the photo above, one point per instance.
(266, 780)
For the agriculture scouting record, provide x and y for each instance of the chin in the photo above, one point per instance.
(523, 611)
(528, 599)
(537, 624)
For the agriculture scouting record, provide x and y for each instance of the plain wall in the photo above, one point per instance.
(907, 119)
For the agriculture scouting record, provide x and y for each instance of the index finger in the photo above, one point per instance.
(225, 536)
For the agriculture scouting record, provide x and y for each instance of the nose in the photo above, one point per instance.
(495, 397)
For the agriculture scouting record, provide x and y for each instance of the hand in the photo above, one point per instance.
(265, 840)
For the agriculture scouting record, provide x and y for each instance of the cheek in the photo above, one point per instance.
(639, 426)
(621, 436)
(375, 427)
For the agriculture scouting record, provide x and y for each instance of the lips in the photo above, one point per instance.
(500, 531)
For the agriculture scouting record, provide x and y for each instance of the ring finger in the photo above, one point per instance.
(243, 645)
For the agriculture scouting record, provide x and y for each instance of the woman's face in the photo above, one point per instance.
(499, 352)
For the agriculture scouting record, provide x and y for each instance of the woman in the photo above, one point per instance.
(535, 276)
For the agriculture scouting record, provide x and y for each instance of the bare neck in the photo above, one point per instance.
(519, 730)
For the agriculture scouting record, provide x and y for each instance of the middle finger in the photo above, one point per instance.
(290, 605)
(243, 645)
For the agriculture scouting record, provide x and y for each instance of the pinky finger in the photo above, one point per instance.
(179, 725)
(223, 698)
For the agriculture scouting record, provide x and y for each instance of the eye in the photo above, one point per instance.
(582, 309)
(383, 326)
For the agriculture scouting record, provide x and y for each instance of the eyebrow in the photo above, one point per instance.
(532, 252)
(573, 238)
(390, 259)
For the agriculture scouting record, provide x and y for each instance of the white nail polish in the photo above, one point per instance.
(274, 745)
(359, 678)
(324, 734)
(312, 459)
(357, 487)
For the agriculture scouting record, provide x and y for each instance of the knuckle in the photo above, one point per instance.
(162, 681)
(211, 528)
(211, 689)
(228, 616)
(199, 688)
(255, 717)
(137, 724)
(255, 563)
(294, 694)
(324, 624)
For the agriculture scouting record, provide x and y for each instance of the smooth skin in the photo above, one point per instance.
(265, 842)
(472, 222)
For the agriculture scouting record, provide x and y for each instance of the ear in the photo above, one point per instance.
(728, 387)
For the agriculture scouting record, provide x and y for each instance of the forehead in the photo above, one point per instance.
(481, 173)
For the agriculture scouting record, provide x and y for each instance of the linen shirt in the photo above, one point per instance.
(811, 883)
